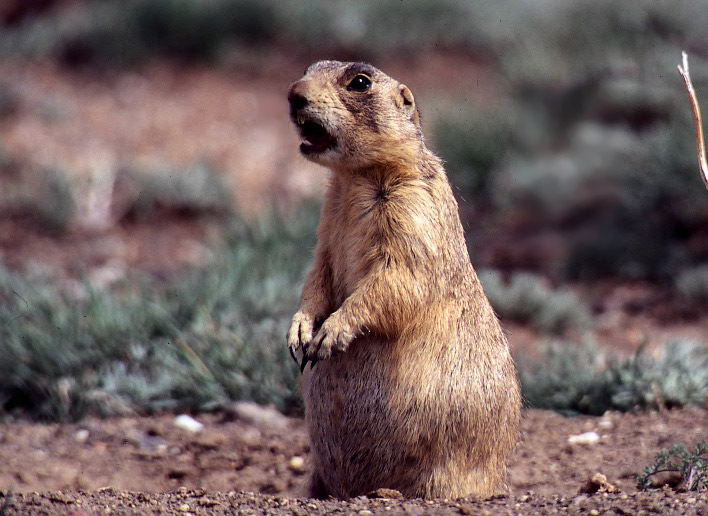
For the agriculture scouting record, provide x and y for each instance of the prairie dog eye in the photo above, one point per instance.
(359, 83)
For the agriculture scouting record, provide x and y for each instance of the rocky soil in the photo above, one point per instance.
(256, 462)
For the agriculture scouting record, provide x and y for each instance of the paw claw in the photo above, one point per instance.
(299, 336)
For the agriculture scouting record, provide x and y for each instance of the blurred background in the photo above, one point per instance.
(156, 219)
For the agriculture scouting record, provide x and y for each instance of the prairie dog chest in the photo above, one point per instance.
(354, 209)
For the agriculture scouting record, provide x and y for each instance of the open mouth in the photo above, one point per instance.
(315, 138)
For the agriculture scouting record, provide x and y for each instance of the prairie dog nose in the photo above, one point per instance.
(297, 95)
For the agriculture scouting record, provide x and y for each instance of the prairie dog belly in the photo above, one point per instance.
(354, 430)
(374, 425)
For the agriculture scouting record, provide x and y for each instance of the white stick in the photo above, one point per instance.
(700, 144)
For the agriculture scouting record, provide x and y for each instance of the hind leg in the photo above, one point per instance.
(317, 489)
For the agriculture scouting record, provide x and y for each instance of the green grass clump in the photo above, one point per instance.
(602, 188)
(692, 465)
(582, 380)
(6, 502)
(212, 337)
(527, 299)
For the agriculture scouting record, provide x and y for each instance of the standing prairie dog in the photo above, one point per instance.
(411, 386)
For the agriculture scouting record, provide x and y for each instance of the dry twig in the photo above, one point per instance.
(700, 144)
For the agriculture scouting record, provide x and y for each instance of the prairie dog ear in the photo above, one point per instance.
(406, 101)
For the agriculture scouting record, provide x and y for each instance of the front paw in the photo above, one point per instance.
(331, 338)
(300, 332)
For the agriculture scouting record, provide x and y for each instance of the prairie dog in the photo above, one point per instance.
(412, 386)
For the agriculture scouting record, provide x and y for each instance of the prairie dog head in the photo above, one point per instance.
(352, 115)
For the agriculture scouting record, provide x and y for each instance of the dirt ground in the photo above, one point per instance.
(260, 464)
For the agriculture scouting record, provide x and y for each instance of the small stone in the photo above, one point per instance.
(61, 497)
(586, 438)
(605, 424)
(691, 500)
(524, 498)
(594, 512)
(466, 509)
(365, 512)
(184, 508)
(258, 415)
(188, 423)
(384, 493)
(598, 483)
(81, 436)
(297, 464)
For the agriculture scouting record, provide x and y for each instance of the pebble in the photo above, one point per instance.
(598, 482)
(365, 512)
(258, 415)
(384, 493)
(184, 508)
(605, 424)
(188, 423)
(585, 438)
(81, 436)
(297, 463)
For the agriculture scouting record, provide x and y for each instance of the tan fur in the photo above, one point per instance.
(414, 388)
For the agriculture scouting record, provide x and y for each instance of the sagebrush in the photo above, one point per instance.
(691, 464)
(529, 299)
(213, 336)
(582, 379)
